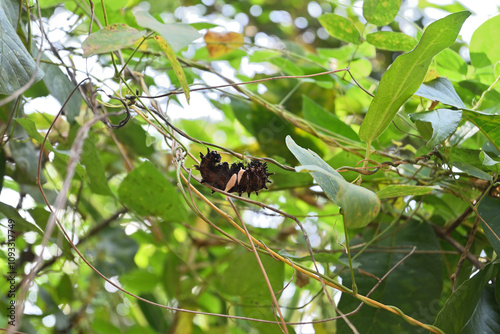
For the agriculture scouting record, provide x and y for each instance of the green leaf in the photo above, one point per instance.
(243, 277)
(451, 65)
(11, 10)
(269, 129)
(110, 38)
(140, 281)
(61, 87)
(263, 56)
(178, 35)
(20, 224)
(486, 318)
(440, 89)
(483, 50)
(61, 157)
(443, 122)
(65, 289)
(489, 124)
(487, 160)
(360, 205)
(154, 315)
(116, 252)
(489, 210)
(40, 215)
(146, 191)
(314, 113)
(179, 72)
(400, 190)
(30, 128)
(463, 304)
(16, 64)
(380, 12)
(407, 73)
(61, 160)
(471, 170)
(134, 137)
(3, 163)
(95, 170)
(340, 28)
(392, 41)
(287, 66)
(26, 155)
(419, 276)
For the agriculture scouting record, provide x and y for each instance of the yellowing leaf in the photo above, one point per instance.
(340, 28)
(221, 43)
(175, 64)
(110, 38)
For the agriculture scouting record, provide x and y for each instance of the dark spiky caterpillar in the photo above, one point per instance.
(235, 178)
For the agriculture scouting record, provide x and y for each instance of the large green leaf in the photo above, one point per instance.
(414, 286)
(440, 89)
(16, 64)
(110, 38)
(407, 73)
(146, 191)
(380, 12)
(340, 28)
(11, 10)
(436, 125)
(486, 318)
(483, 50)
(177, 35)
(466, 301)
(360, 205)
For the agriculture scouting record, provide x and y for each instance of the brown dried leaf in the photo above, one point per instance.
(221, 43)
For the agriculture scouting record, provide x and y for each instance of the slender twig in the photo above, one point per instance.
(348, 248)
(234, 84)
(481, 99)
(461, 249)
(357, 84)
(464, 254)
(460, 219)
(259, 261)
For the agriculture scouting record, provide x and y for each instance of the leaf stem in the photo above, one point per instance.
(354, 286)
(481, 99)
